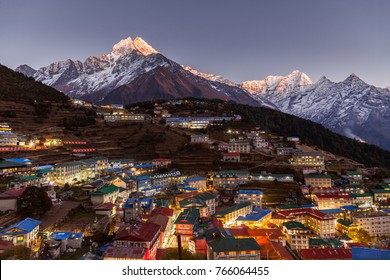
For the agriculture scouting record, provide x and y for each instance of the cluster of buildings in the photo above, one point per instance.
(155, 207)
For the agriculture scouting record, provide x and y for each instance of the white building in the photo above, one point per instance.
(202, 138)
(239, 146)
(67, 172)
(253, 196)
(376, 224)
(8, 138)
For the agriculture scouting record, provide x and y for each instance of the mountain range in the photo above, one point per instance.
(351, 107)
(134, 71)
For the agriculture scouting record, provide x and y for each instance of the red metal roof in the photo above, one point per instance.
(305, 211)
(159, 219)
(163, 211)
(272, 233)
(335, 196)
(125, 253)
(239, 231)
(200, 245)
(12, 193)
(142, 231)
(273, 250)
(325, 254)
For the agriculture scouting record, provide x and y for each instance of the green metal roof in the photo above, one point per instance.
(354, 173)
(354, 195)
(344, 222)
(326, 242)
(234, 244)
(29, 178)
(229, 210)
(162, 203)
(380, 191)
(189, 216)
(294, 225)
(354, 186)
(105, 190)
(192, 202)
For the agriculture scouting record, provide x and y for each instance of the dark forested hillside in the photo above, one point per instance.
(19, 88)
(277, 122)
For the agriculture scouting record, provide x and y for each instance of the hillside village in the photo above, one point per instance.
(179, 180)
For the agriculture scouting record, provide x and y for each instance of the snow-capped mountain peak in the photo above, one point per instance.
(26, 70)
(351, 107)
(134, 71)
(278, 84)
(128, 45)
(210, 77)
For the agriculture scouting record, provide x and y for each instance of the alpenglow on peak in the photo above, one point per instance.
(127, 45)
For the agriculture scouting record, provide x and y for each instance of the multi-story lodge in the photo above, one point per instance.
(137, 242)
(124, 117)
(253, 196)
(297, 234)
(67, 172)
(273, 177)
(105, 194)
(198, 183)
(381, 194)
(239, 146)
(231, 214)
(230, 178)
(318, 180)
(196, 122)
(309, 160)
(8, 168)
(318, 222)
(135, 207)
(185, 224)
(204, 202)
(332, 201)
(376, 224)
(23, 233)
(234, 249)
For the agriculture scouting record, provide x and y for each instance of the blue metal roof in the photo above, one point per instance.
(359, 253)
(147, 165)
(193, 179)
(60, 235)
(332, 211)
(142, 177)
(261, 213)
(189, 189)
(19, 160)
(27, 225)
(144, 202)
(249, 192)
(349, 208)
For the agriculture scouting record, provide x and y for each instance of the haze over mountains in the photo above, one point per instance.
(134, 71)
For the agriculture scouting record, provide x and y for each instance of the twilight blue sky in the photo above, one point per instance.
(238, 39)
